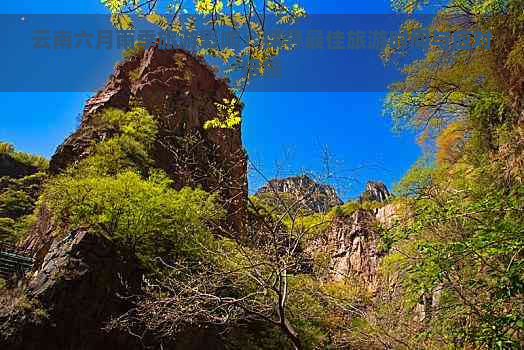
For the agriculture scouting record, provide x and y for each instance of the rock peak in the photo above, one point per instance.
(316, 197)
(180, 91)
(376, 191)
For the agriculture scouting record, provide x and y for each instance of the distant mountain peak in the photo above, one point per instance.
(316, 197)
(376, 191)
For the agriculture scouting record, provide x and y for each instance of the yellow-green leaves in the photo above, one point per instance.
(159, 20)
(243, 17)
(114, 6)
(228, 115)
(137, 123)
(121, 21)
(206, 7)
(144, 216)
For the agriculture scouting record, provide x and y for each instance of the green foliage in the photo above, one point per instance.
(128, 149)
(17, 201)
(416, 180)
(134, 75)
(26, 158)
(462, 243)
(473, 250)
(14, 203)
(228, 115)
(133, 52)
(440, 87)
(117, 193)
(145, 217)
(137, 124)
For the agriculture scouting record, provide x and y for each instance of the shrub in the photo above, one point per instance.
(23, 157)
(145, 217)
(135, 51)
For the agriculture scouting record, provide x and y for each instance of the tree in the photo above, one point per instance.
(461, 260)
(444, 84)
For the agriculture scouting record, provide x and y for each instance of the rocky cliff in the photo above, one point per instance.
(81, 282)
(351, 242)
(69, 298)
(302, 189)
(375, 191)
(180, 91)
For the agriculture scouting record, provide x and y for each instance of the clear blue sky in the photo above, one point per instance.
(288, 128)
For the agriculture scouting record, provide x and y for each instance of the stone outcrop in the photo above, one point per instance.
(316, 197)
(351, 242)
(79, 281)
(76, 290)
(375, 191)
(180, 91)
(387, 215)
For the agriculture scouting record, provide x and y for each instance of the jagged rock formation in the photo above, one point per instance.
(375, 191)
(180, 91)
(351, 242)
(316, 197)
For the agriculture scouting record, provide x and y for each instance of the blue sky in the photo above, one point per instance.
(290, 128)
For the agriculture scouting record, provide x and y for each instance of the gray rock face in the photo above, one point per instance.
(78, 288)
(317, 197)
(376, 191)
(350, 242)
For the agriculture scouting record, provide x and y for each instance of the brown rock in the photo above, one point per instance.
(180, 91)
(315, 197)
(351, 243)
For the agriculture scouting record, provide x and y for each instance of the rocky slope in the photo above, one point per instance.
(180, 91)
(316, 197)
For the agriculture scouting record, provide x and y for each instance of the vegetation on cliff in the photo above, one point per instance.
(20, 182)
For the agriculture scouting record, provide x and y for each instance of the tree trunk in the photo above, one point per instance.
(291, 334)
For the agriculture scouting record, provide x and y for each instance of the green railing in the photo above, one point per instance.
(14, 260)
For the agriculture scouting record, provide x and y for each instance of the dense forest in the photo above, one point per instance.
(193, 262)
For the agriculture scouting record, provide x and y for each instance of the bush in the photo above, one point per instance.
(133, 134)
(145, 217)
(135, 51)
(23, 157)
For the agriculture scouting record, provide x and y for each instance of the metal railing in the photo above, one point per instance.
(14, 260)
